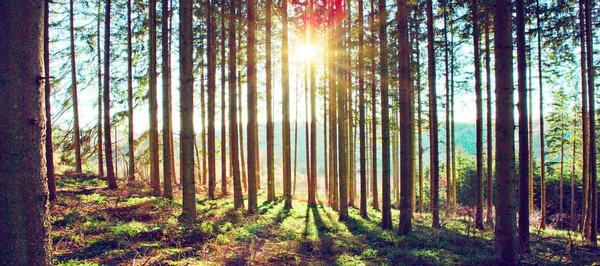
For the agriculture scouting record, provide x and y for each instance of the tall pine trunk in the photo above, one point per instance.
(386, 215)
(74, 97)
(361, 110)
(285, 84)
(488, 81)
(223, 115)
(593, 239)
(238, 198)
(168, 161)
(251, 98)
(505, 230)
(130, 139)
(99, 102)
(542, 135)
(433, 124)
(110, 172)
(479, 119)
(523, 128)
(24, 226)
(48, 112)
(211, 93)
(153, 103)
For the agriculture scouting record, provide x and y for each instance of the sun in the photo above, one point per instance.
(307, 51)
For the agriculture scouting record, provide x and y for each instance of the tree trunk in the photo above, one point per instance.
(223, 115)
(592, 110)
(584, 122)
(99, 125)
(505, 230)
(241, 129)
(153, 104)
(447, 80)
(479, 119)
(342, 124)
(168, 161)
(285, 84)
(130, 139)
(523, 127)
(433, 124)
(488, 80)
(361, 110)
(251, 98)
(24, 227)
(270, 127)
(211, 93)
(542, 136)
(406, 123)
(77, 138)
(374, 192)
(419, 120)
(386, 215)
(238, 198)
(112, 180)
(312, 198)
(48, 112)
(186, 92)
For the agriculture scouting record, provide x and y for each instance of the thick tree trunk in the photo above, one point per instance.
(479, 119)
(76, 137)
(153, 103)
(24, 226)
(285, 84)
(168, 161)
(433, 124)
(505, 230)
(523, 127)
(584, 122)
(593, 239)
(186, 92)
(406, 123)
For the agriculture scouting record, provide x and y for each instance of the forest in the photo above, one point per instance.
(300, 132)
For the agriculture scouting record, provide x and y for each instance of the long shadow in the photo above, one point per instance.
(324, 247)
(423, 246)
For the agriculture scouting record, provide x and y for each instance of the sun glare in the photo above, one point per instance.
(307, 51)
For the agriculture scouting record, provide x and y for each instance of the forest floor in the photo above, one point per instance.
(92, 225)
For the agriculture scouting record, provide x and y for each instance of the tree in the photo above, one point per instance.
(167, 133)
(238, 200)
(77, 137)
(386, 215)
(406, 122)
(131, 170)
(285, 84)
(433, 124)
(361, 107)
(593, 238)
(269, 99)
(312, 199)
(374, 192)
(100, 89)
(223, 119)
(523, 128)
(186, 92)
(479, 119)
(342, 129)
(153, 103)
(542, 135)
(25, 225)
(488, 81)
(251, 95)
(211, 93)
(47, 90)
(505, 230)
(110, 171)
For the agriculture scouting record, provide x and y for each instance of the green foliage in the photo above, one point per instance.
(129, 229)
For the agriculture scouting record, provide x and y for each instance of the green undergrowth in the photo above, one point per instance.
(130, 226)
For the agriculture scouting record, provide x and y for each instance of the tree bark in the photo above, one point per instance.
(505, 230)
(238, 199)
(25, 224)
(386, 215)
(110, 172)
(48, 112)
(251, 98)
(186, 92)
(433, 121)
(361, 110)
(211, 93)
(223, 115)
(153, 103)
(542, 135)
(77, 137)
(523, 128)
(130, 139)
(593, 239)
(168, 161)
(488, 80)
(270, 127)
(99, 125)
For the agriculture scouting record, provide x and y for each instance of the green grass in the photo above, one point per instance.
(131, 226)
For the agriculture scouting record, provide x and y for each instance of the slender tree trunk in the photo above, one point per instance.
(168, 161)
(77, 138)
(223, 115)
(573, 158)
(238, 199)
(505, 230)
(47, 93)
(342, 128)
(592, 103)
(241, 129)
(270, 127)
(312, 197)
(523, 127)
(100, 89)
(560, 182)
(211, 93)
(285, 84)
(333, 178)
(542, 135)
(406, 122)
(204, 173)
(251, 98)
(447, 80)
(297, 90)
(419, 121)
(584, 122)
(386, 216)
(130, 139)
(488, 80)
(452, 130)
(186, 93)
(433, 124)
(112, 180)
(25, 224)
(153, 104)
(374, 192)
(361, 110)
(530, 115)
(479, 120)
